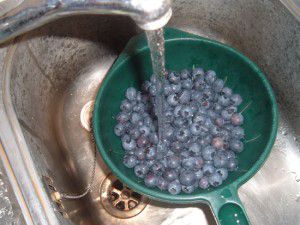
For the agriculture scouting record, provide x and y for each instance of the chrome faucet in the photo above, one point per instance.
(30, 14)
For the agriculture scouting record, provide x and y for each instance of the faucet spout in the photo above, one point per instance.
(148, 14)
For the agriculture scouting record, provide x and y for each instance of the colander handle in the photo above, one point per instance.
(228, 208)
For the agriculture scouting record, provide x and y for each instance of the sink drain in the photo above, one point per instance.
(119, 200)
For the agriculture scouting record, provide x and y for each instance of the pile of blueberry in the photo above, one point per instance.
(202, 132)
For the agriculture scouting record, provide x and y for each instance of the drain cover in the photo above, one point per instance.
(119, 200)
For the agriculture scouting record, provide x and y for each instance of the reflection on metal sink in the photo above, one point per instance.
(51, 78)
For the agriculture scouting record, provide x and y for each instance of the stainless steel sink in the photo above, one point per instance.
(50, 79)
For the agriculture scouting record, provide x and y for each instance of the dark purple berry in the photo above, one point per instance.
(203, 183)
(174, 187)
(187, 178)
(215, 179)
(131, 94)
(130, 161)
(150, 180)
(141, 170)
(237, 119)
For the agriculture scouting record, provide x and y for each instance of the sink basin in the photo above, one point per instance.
(50, 79)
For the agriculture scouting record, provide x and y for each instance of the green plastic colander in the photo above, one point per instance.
(184, 50)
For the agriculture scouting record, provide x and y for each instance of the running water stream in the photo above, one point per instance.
(156, 44)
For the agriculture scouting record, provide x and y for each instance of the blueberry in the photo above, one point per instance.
(173, 100)
(185, 154)
(206, 140)
(144, 130)
(220, 160)
(236, 99)
(140, 107)
(177, 110)
(187, 178)
(217, 107)
(199, 174)
(207, 94)
(197, 129)
(206, 104)
(173, 161)
(131, 94)
(135, 118)
(142, 141)
(188, 163)
(197, 72)
(151, 153)
(122, 117)
(162, 184)
(222, 172)
(196, 96)
(218, 85)
(125, 138)
(209, 162)
(187, 84)
(176, 88)
(174, 187)
(186, 111)
(129, 145)
(232, 164)
(217, 143)
(224, 100)
(130, 161)
(182, 135)
(230, 154)
(184, 97)
(138, 96)
(208, 153)
(238, 132)
(170, 175)
(237, 119)
(224, 134)
(167, 89)
(188, 189)
(176, 146)
(152, 90)
(119, 130)
(173, 77)
(184, 74)
(215, 179)
(169, 116)
(141, 170)
(210, 76)
(147, 121)
(198, 163)
(126, 106)
(199, 118)
(226, 91)
(203, 183)
(200, 84)
(180, 122)
(236, 145)
(227, 113)
(140, 154)
(150, 180)
(150, 163)
(208, 169)
(195, 147)
(157, 168)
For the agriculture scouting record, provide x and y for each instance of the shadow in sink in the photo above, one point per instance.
(55, 73)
